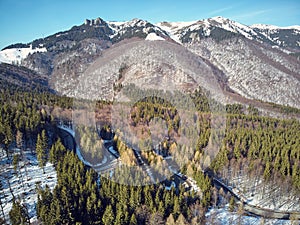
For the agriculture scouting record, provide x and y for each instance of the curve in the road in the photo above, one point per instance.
(255, 210)
(250, 209)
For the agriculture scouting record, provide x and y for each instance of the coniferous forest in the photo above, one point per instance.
(264, 146)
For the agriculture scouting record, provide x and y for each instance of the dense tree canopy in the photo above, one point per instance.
(262, 143)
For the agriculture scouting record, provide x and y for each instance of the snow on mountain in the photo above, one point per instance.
(173, 28)
(272, 27)
(16, 55)
(179, 30)
(207, 25)
(233, 26)
(134, 27)
(253, 70)
(195, 30)
(154, 37)
(71, 52)
(285, 38)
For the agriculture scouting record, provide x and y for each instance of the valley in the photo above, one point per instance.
(140, 123)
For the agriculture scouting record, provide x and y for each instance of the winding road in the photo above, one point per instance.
(256, 210)
(248, 208)
(111, 162)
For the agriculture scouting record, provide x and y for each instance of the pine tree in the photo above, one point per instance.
(19, 140)
(18, 214)
(120, 215)
(231, 204)
(41, 148)
(133, 220)
(108, 216)
(57, 152)
(1, 204)
(170, 220)
(176, 207)
(181, 220)
(16, 159)
(45, 199)
(8, 138)
(267, 171)
(55, 212)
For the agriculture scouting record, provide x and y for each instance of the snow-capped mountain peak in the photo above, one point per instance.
(131, 23)
(272, 27)
(220, 19)
(136, 28)
(182, 32)
(232, 26)
(195, 30)
(179, 30)
(225, 43)
(175, 26)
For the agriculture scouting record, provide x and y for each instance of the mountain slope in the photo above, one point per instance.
(284, 37)
(251, 61)
(158, 65)
(222, 28)
(12, 76)
(134, 28)
(254, 71)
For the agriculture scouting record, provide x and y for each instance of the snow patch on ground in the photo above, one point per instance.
(225, 217)
(23, 184)
(172, 28)
(16, 55)
(154, 37)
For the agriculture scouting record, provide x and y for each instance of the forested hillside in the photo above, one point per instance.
(259, 146)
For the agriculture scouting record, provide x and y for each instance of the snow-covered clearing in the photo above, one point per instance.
(16, 55)
(265, 195)
(22, 184)
(224, 216)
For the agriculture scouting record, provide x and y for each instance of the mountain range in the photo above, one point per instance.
(248, 64)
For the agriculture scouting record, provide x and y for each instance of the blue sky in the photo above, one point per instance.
(26, 20)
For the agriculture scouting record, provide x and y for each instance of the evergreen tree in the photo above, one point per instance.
(57, 152)
(16, 159)
(170, 220)
(108, 216)
(181, 220)
(45, 199)
(1, 204)
(18, 214)
(41, 148)
(176, 207)
(267, 172)
(133, 220)
(231, 204)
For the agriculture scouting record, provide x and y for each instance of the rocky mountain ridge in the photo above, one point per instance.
(253, 61)
(280, 37)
